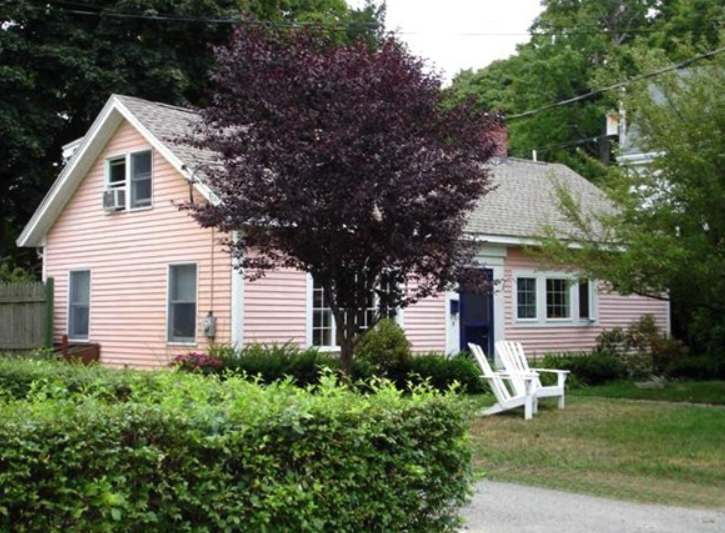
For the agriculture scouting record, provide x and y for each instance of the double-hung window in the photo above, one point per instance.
(526, 298)
(553, 297)
(79, 304)
(132, 174)
(182, 303)
(324, 332)
(558, 301)
(140, 178)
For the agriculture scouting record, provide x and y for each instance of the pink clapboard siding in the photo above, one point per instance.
(275, 308)
(425, 324)
(276, 311)
(128, 254)
(613, 310)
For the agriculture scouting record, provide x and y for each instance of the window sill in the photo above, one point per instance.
(555, 323)
(182, 343)
(79, 339)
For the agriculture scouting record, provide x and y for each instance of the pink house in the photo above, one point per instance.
(139, 277)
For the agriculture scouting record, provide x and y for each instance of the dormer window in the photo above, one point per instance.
(128, 182)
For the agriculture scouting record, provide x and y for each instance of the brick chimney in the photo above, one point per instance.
(500, 136)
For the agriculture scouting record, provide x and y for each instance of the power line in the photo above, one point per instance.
(204, 20)
(624, 83)
(88, 10)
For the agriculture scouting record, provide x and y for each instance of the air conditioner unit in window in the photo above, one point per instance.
(114, 199)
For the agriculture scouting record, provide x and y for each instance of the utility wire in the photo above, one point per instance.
(85, 9)
(624, 83)
(204, 20)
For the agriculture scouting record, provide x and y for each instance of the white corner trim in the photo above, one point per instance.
(499, 309)
(453, 325)
(308, 311)
(237, 311)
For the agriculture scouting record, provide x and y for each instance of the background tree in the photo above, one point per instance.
(671, 222)
(60, 60)
(339, 161)
(577, 46)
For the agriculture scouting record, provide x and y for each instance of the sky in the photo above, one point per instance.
(436, 30)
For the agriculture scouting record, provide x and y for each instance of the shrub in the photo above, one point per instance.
(386, 348)
(19, 377)
(588, 368)
(642, 348)
(442, 372)
(195, 454)
(198, 362)
(698, 367)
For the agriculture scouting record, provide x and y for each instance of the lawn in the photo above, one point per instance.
(643, 451)
(707, 392)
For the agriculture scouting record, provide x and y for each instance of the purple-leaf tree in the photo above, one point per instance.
(341, 161)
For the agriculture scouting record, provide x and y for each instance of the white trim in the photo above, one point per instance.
(499, 309)
(169, 342)
(453, 325)
(237, 310)
(310, 288)
(541, 320)
(309, 322)
(643, 158)
(68, 297)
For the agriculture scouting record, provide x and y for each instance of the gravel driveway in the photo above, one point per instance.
(508, 508)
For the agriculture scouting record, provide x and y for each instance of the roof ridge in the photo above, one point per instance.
(531, 161)
(158, 104)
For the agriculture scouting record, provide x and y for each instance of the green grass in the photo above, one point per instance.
(657, 453)
(709, 392)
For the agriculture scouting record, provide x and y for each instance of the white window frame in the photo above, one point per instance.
(333, 347)
(68, 302)
(541, 319)
(535, 318)
(126, 157)
(194, 341)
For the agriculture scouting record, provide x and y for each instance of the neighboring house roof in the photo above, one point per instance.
(524, 200)
(522, 203)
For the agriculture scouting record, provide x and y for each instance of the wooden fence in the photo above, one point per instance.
(26, 315)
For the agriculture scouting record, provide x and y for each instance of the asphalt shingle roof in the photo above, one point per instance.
(522, 203)
(524, 200)
(170, 124)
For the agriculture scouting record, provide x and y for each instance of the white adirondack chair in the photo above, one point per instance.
(505, 400)
(512, 356)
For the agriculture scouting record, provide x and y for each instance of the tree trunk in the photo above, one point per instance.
(346, 356)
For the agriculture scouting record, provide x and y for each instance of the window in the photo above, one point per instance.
(117, 173)
(79, 304)
(557, 298)
(131, 172)
(141, 180)
(182, 303)
(323, 323)
(526, 298)
(585, 300)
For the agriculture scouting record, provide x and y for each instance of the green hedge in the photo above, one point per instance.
(273, 363)
(18, 376)
(591, 368)
(192, 453)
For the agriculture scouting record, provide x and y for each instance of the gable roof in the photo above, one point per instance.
(521, 204)
(524, 201)
(160, 124)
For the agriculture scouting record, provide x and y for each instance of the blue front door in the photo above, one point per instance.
(476, 317)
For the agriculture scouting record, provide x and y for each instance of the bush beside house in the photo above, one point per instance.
(186, 453)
